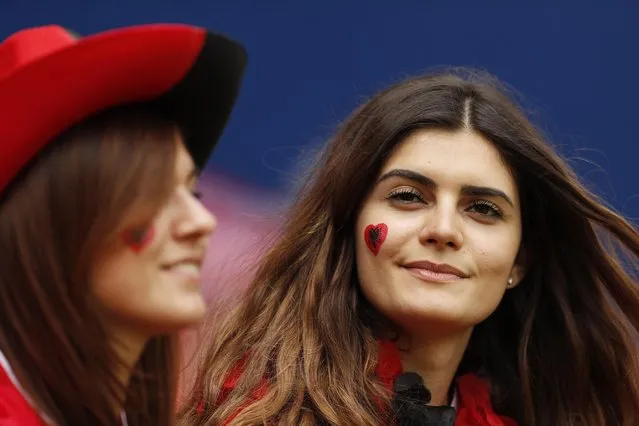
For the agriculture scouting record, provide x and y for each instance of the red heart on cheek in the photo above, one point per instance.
(374, 235)
(137, 239)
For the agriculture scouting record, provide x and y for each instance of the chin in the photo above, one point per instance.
(423, 317)
(182, 314)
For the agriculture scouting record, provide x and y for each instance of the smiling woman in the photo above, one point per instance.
(440, 240)
(101, 232)
(152, 281)
(131, 297)
(454, 232)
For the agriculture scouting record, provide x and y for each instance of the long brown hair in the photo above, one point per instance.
(55, 221)
(561, 347)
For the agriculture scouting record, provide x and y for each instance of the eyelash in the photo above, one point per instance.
(397, 194)
(492, 206)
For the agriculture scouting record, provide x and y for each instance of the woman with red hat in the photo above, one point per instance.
(102, 234)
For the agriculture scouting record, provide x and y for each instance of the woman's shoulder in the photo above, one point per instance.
(15, 410)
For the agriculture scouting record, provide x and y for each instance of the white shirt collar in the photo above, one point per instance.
(454, 401)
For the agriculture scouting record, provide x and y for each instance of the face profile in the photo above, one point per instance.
(153, 282)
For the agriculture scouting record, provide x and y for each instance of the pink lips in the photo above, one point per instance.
(435, 272)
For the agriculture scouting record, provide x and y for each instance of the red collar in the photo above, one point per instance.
(473, 407)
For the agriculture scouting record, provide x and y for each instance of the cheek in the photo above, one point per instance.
(123, 281)
(130, 287)
(374, 237)
(119, 286)
(495, 254)
(379, 230)
(379, 240)
(138, 239)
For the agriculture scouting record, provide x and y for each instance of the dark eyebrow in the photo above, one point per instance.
(410, 175)
(473, 190)
(484, 191)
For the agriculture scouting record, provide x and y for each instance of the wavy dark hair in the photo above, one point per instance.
(64, 211)
(560, 349)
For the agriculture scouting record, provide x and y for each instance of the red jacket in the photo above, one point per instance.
(473, 397)
(14, 408)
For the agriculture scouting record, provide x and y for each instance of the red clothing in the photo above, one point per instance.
(473, 404)
(14, 408)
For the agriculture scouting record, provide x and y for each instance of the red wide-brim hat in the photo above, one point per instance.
(50, 79)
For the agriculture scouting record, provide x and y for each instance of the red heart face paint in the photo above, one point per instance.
(138, 238)
(374, 235)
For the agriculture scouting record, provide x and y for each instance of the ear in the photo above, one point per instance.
(520, 267)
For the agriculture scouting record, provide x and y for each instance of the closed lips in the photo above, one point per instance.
(435, 271)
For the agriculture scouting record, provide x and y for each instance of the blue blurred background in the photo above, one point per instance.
(311, 62)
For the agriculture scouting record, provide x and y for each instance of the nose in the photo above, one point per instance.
(196, 221)
(441, 228)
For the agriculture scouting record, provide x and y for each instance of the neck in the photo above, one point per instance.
(436, 360)
(128, 348)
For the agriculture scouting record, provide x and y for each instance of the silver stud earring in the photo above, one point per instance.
(510, 282)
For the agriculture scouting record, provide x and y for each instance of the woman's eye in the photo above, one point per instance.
(486, 208)
(406, 196)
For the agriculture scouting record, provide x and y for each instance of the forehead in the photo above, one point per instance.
(453, 158)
